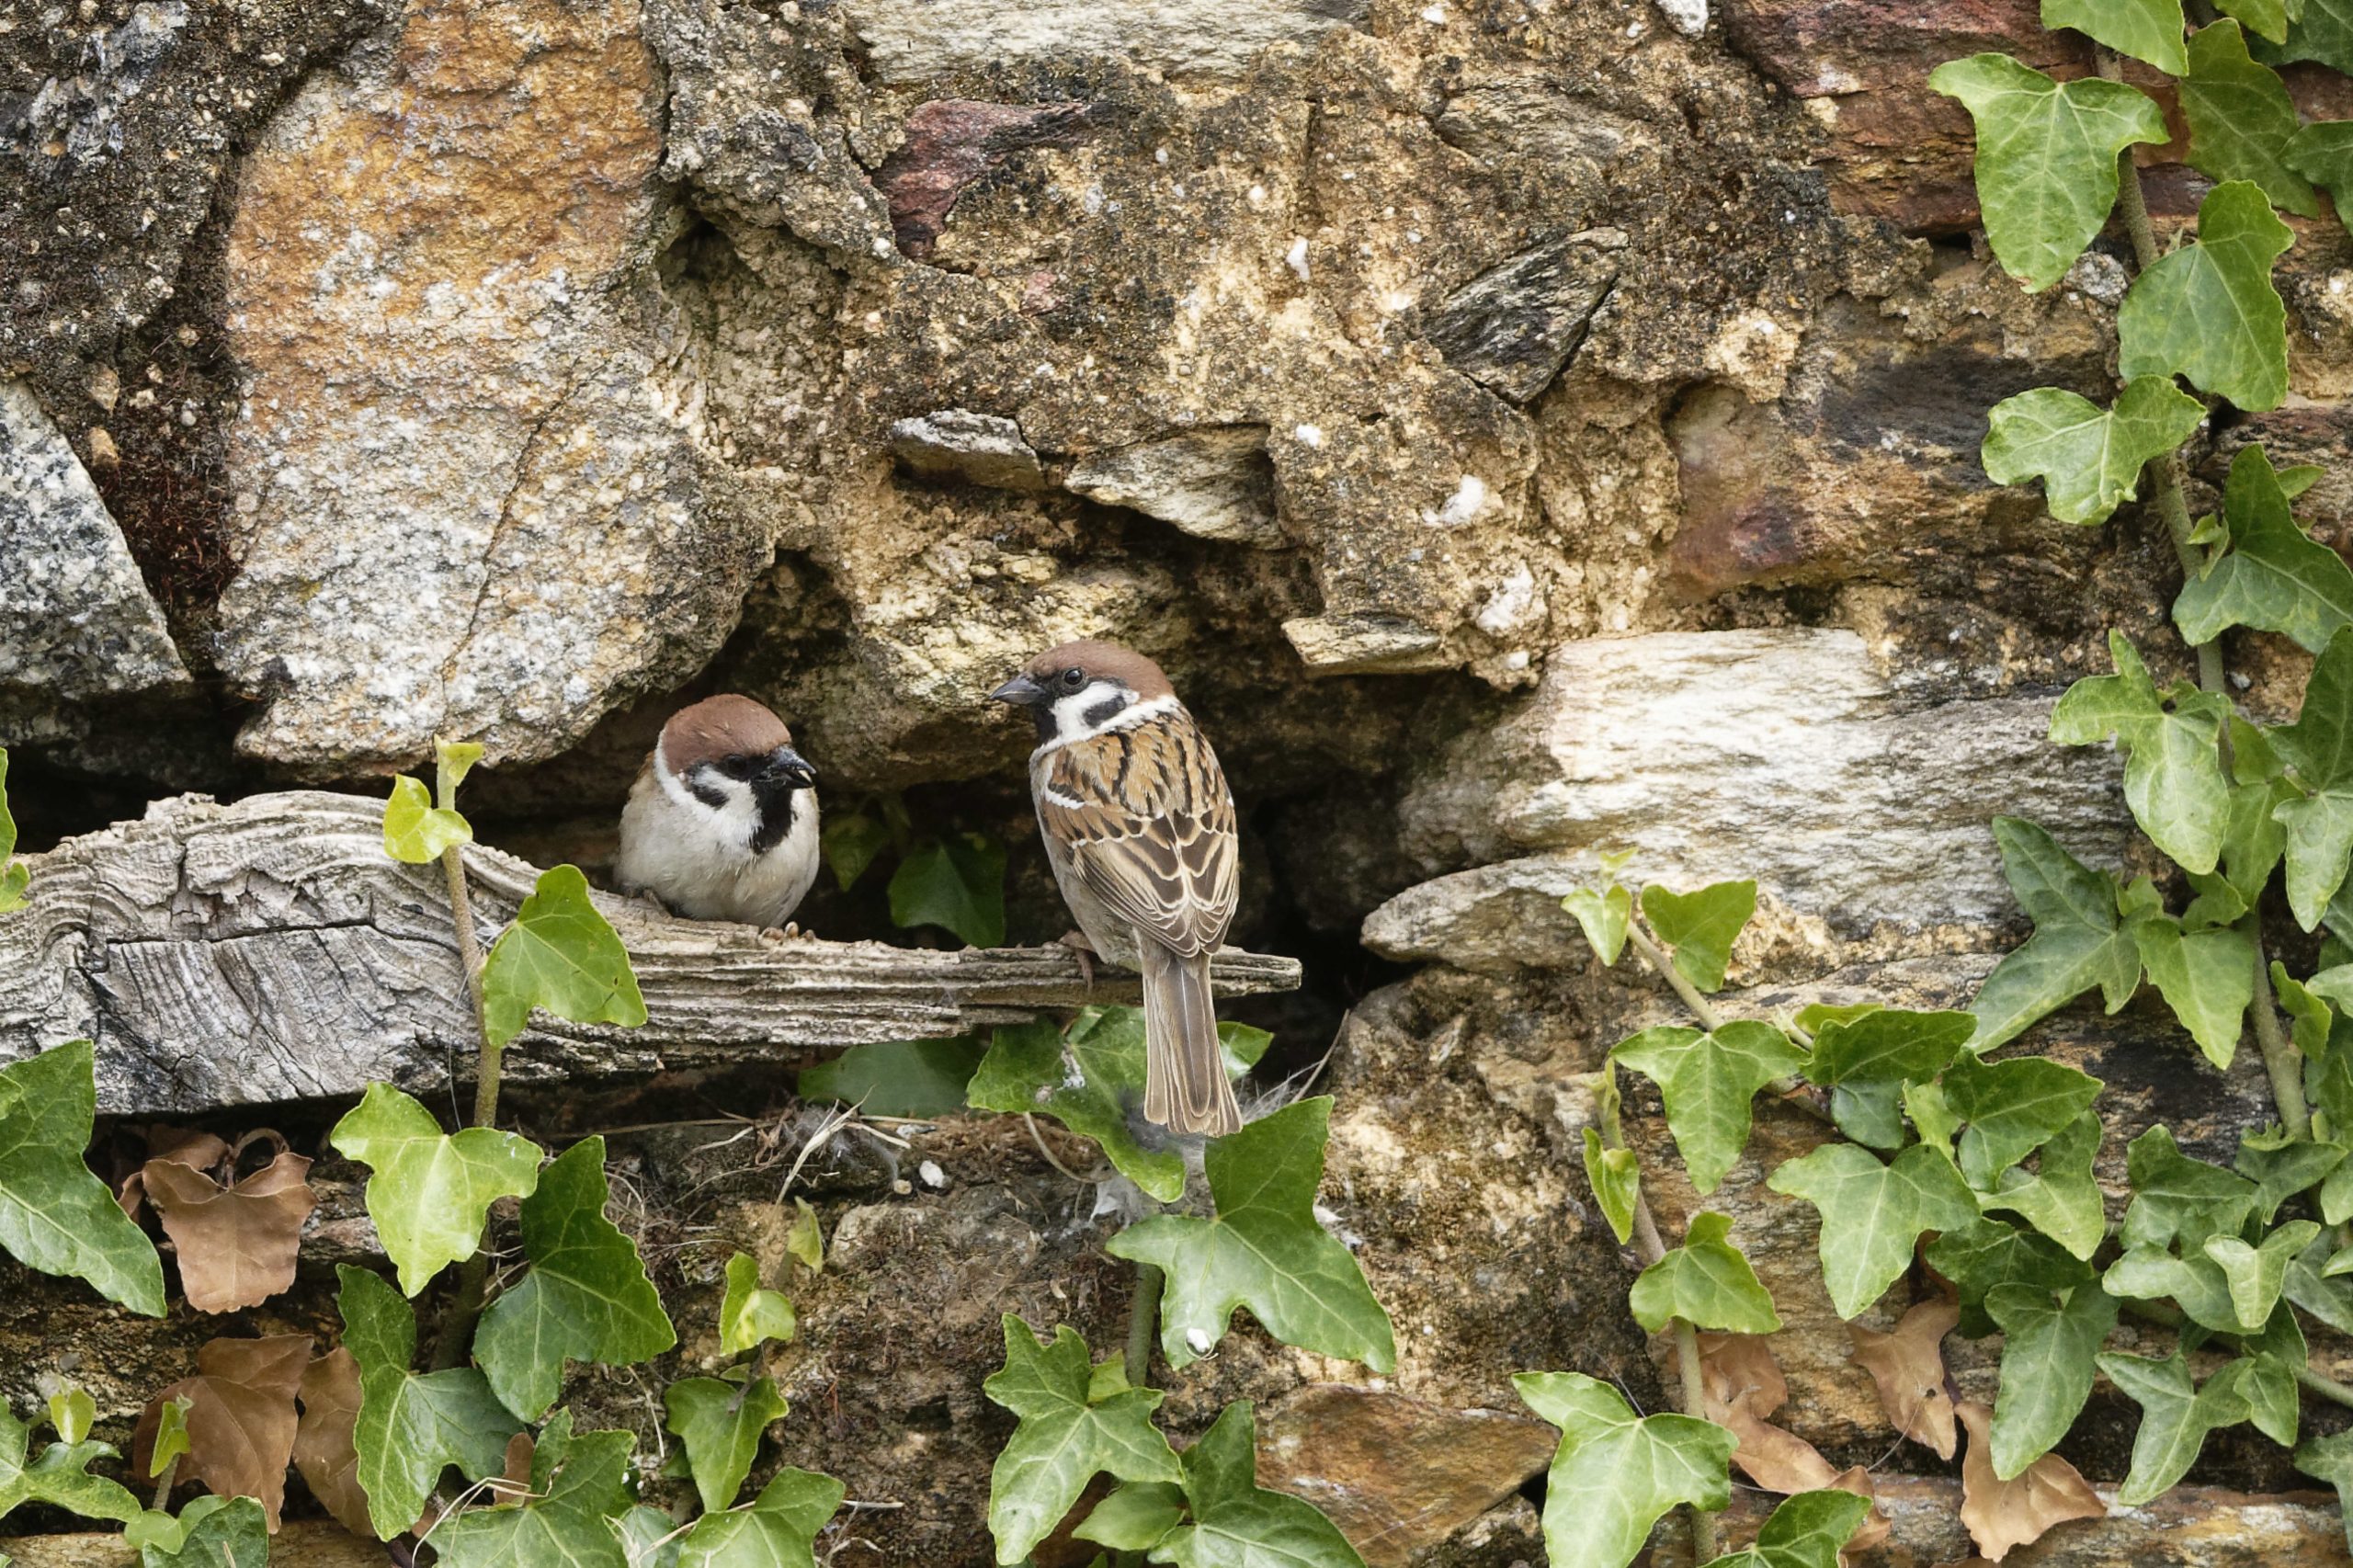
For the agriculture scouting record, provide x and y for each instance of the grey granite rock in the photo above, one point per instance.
(76, 621)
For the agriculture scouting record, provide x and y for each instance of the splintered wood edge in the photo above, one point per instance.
(268, 951)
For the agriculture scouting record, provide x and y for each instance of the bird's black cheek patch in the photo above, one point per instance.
(1105, 711)
(702, 789)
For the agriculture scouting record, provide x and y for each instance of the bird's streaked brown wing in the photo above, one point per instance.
(1150, 826)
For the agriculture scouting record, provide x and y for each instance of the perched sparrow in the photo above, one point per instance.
(721, 824)
(1139, 828)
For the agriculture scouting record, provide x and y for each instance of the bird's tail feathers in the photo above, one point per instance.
(1186, 1089)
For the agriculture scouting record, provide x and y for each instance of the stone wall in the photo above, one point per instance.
(1521, 427)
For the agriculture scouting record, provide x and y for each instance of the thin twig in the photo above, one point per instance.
(1144, 1325)
(1039, 1138)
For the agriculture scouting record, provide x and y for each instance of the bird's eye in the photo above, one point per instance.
(1072, 678)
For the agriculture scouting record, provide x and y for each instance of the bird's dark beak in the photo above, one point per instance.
(1021, 691)
(786, 769)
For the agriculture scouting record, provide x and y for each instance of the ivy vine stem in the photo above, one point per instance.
(1649, 1248)
(2325, 1386)
(1656, 956)
(454, 1337)
(2282, 1063)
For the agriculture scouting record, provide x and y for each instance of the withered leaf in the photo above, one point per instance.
(241, 1419)
(1739, 1384)
(236, 1244)
(2002, 1513)
(323, 1448)
(1908, 1365)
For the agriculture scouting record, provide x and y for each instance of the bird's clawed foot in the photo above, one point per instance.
(790, 931)
(1085, 950)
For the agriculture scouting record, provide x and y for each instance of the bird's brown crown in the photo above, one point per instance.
(720, 727)
(1139, 674)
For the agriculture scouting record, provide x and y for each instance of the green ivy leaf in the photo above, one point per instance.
(2013, 1109)
(416, 830)
(957, 883)
(1932, 1116)
(54, 1215)
(171, 1435)
(1064, 1439)
(1871, 1113)
(14, 877)
(2176, 1199)
(2273, 577)
(1264, 1250)
(1091, 1080)
(1707, 1283)
(2255, 1274)
(2145, 29)
(1603, 914)
(2176, 1415)
(572, 1515)
(2319, 746)
(805, 1239)
(60, 1477)
(586, 1299)
(2275, 1357)
(1707, 1082)
(2079, 940)
(2241, 119)
(2089, 458)
(71, 1411)
(2267, 19)
(1136, 1517)
(2330, 1301)
(2206, 977)
(2319, 29)
(1700, 926)
(2048, 1347)
(1236, 1523)
(2173, 770)
(2207, 310)
(2046, 157)
(1616, 1473)
(2323, 152)
(412, 1426)
(1804, 1531)
(1886, 1045)
(850, 843)
(650, 1537)
(1978, 1257)
(1872, 1213)
(720, 1426)
(750, 1315)
(429, 1191)
(1616, 1177)
(213, 1532)
(2330, 1458)
(776, 1529)
(918, 1078)
(560, 954)
(2060, 1199)
(2281, 1165)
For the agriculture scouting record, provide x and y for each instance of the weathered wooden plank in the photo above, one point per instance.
(268, 951)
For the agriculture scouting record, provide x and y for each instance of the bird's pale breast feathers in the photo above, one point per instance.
(1150, 824)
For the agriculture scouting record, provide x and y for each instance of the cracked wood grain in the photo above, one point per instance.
(268, 951)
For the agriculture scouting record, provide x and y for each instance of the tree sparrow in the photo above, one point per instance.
(1139, 827)
(721, 824)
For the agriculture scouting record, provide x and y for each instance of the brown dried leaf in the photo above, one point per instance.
(1739, 1368)
(236, 1244)
(323, 1446)
(1739, 1384)
(201, 1150)
(515, 1480)
(1908, 1365)
(2004, 1514)
(241, 1419)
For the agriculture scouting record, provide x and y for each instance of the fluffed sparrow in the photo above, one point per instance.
(722, 823)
